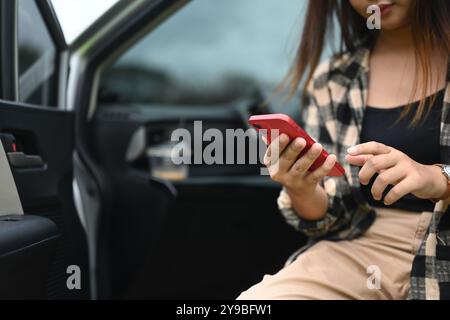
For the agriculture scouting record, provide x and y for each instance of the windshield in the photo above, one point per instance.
(211, 51)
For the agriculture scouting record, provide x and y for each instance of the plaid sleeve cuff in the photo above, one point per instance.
(311, 229)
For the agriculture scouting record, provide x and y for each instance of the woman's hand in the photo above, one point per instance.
(397, 169)
(285, 167)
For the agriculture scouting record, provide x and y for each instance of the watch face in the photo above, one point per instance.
(446, 171)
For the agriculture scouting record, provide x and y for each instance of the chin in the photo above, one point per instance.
(392, 25)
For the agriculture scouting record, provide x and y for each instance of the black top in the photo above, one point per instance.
(420, 142)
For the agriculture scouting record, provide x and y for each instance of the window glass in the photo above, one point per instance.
(210, 52)
(37, 57)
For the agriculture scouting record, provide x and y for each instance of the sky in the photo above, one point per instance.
(76, 15)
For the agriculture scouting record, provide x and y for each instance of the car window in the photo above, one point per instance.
(37, 57)
(210, 52)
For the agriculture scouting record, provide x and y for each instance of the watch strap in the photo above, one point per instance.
(446, 195)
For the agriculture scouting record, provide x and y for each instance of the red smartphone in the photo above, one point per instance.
(286, 125)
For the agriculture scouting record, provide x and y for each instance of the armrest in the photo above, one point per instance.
(27, 246)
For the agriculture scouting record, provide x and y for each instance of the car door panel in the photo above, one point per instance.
(47, 200)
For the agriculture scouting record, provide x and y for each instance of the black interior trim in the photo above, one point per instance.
(8, 51)
(51, 20)
(54, 28)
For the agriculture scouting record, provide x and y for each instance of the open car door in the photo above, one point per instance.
(43, 251)
(216, 231)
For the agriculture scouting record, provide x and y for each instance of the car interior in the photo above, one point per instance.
(82, 125)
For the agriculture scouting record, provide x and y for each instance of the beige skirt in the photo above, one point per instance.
(373, 267)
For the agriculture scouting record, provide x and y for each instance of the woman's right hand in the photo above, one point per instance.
(285, 166)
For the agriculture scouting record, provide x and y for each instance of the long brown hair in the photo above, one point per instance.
(430, 27)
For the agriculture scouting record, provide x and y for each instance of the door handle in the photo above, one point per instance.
(17, 158)
(20, 160)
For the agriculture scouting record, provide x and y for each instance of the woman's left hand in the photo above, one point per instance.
(397, 169)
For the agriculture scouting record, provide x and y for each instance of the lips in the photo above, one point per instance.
(385, 7)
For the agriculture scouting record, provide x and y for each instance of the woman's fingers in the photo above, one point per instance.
(303, 164)
(358, 161)
(317, 175)
(264, 139)
(398, 191)
(389, 177)
(291, 154)
(376, 164)
(275, 149)
(373, 148)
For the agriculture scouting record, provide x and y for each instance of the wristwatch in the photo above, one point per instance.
(445, 169)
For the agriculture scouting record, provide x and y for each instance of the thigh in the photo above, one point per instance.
(374, 266)
(337, 271)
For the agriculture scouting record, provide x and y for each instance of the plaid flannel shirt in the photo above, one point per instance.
(333, 115)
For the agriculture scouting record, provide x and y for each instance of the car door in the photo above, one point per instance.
(43, 251)
(213, 230)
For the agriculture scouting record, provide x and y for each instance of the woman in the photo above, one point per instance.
(381, 105)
